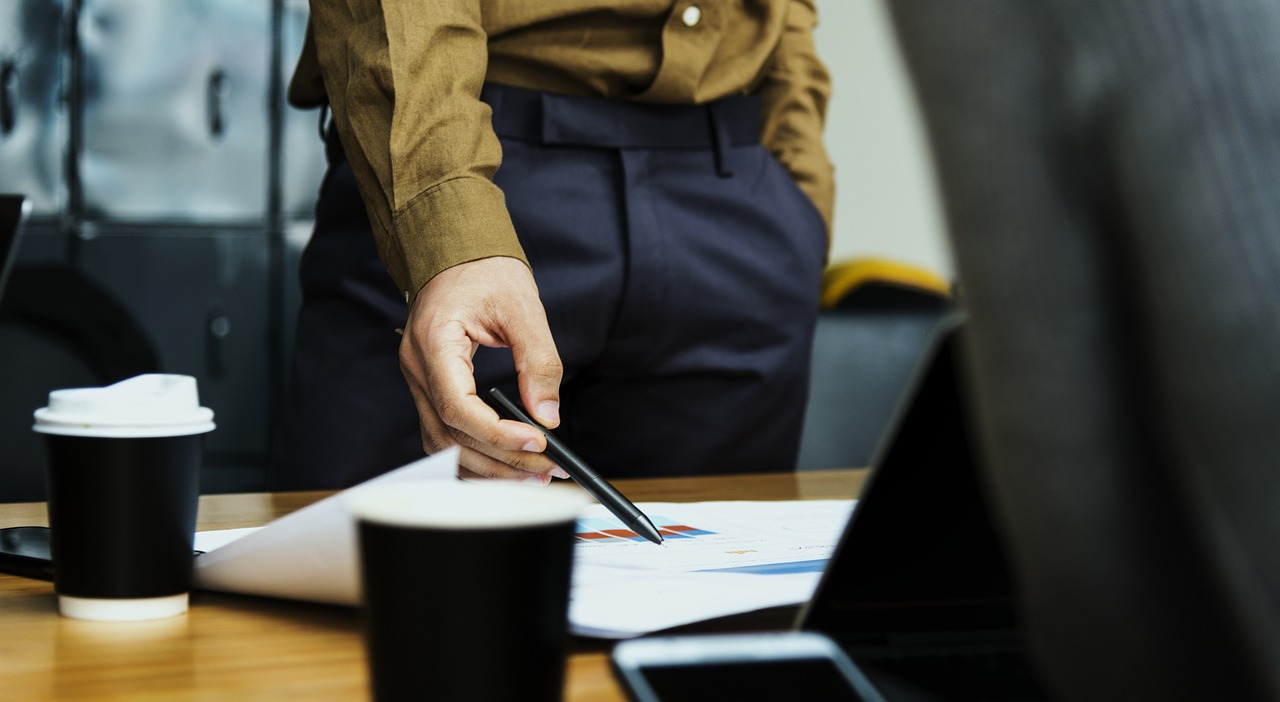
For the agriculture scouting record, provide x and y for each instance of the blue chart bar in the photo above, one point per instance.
(815, 566)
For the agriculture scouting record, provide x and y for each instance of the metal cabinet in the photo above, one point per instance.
(33, 115)
(302, 161)
(202, 298)
(174, 102)
(165, 165)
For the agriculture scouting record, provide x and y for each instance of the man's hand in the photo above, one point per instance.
(491, 302)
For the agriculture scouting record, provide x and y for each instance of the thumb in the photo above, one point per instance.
(538, 372)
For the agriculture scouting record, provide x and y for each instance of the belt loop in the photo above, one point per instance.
(721, 141)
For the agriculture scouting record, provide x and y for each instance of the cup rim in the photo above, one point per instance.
(466, 505)
(94, 426)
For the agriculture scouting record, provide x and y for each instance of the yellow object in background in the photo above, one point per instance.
(852, 281)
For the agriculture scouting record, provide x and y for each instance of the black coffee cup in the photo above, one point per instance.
(466, 589)
(123, 488)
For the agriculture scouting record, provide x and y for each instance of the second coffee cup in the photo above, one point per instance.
(123, 489)
(464, 579)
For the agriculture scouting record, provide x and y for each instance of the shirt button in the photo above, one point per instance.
(691, 15)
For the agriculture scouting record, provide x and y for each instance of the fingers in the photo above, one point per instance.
(490, 447)
(491, 302)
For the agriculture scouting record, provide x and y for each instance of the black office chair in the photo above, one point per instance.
(58, 329)
(876, 317)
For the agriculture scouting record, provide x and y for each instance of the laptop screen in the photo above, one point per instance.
(919, 557)
(13, 210)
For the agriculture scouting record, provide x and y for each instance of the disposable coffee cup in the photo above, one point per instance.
(123, 489)
(466, 589)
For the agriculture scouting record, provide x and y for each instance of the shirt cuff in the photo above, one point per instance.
(459, 220)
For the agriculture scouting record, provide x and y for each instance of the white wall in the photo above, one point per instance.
(885, 197)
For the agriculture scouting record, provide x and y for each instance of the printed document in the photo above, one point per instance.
(717, 559)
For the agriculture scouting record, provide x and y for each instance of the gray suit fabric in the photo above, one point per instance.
(1111, 177)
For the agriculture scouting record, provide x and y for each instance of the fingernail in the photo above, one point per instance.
(549, 412)
(558, 472)
(536, 480)
(531, 446)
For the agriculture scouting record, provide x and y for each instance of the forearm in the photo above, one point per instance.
(403, 82)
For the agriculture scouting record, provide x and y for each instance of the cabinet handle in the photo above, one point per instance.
(217, 329)
(217, 91)
(8, 96)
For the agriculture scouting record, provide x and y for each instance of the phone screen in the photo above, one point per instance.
(812, 680)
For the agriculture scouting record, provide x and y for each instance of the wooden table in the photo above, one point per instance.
(238, 648)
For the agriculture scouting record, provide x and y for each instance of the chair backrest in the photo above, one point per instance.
(58, 329)
(877, 319)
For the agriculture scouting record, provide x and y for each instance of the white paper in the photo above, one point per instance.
(733, 557)
(307, 555)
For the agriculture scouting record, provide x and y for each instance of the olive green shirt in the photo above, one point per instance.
(403, 79)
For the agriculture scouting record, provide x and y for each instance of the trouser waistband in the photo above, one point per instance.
(553, 119)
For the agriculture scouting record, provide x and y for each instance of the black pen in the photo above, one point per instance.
(596, 486)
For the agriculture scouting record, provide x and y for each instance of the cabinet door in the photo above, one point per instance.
(296, 235)
(33, 124)
(175, 109)
(302, 149)
(204, 301)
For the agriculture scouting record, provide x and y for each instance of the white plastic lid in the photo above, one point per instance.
(451, 504)
(143, 406)
(122, 610)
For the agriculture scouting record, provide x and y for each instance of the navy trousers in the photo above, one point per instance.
(679, 265)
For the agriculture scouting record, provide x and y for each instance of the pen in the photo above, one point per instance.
(596, 486)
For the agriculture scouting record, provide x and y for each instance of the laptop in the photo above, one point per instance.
(14, 210)
(918, 592)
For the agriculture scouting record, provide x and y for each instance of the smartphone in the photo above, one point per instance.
(24, 551)
(790, 665)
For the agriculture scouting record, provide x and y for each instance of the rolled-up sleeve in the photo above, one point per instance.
(403, 79)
